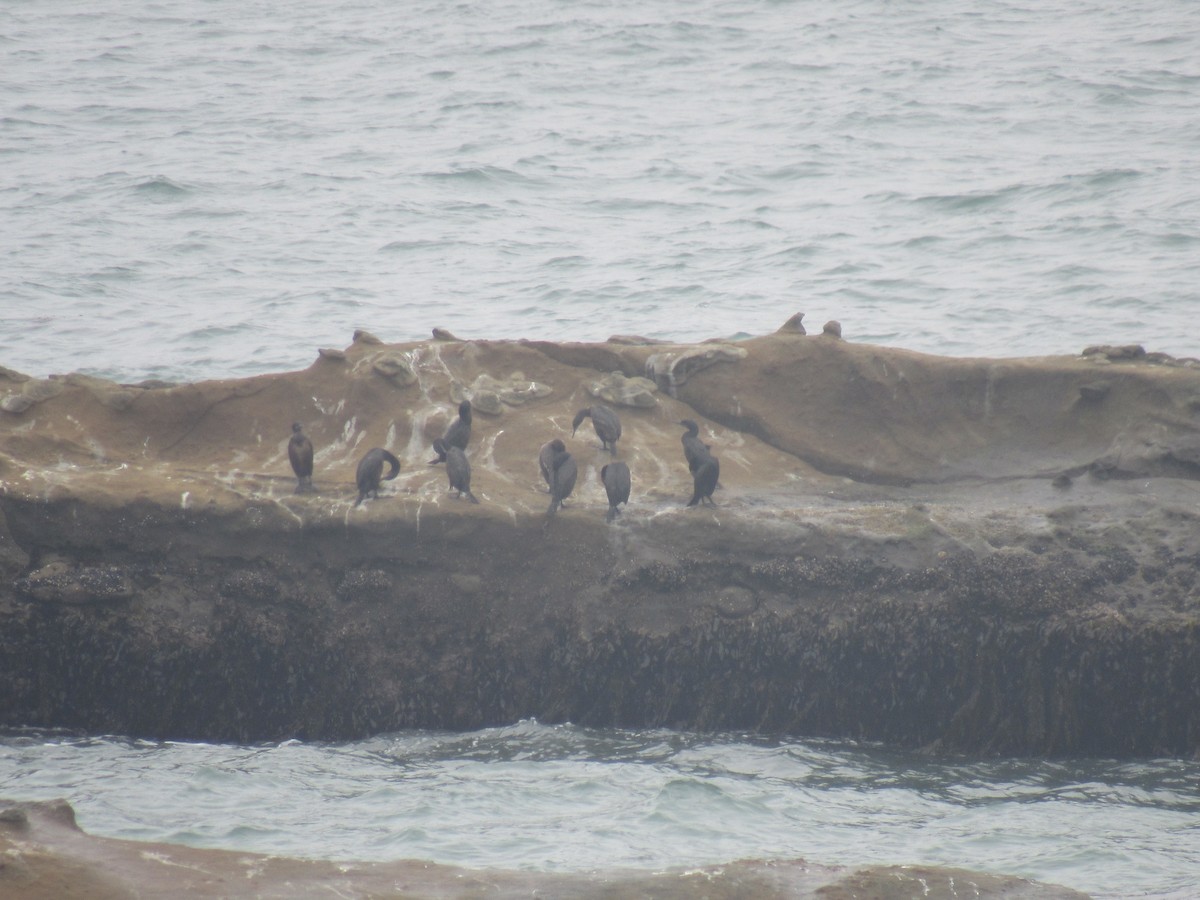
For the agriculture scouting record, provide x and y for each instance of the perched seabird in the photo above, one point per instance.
(370, 471)
(458, 470)
(545, 460)
(457, 434)
(606, 423)
(694, 449)
(562, 476)
(705, 468)
(615, 476)
(704, 480)
(300, 454)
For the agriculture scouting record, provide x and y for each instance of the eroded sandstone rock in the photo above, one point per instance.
(396, 368)
(672, 369)
(31, 391)
(365, 338)
(618, 390)
(883, 517)
(794, 325)
(490, 395)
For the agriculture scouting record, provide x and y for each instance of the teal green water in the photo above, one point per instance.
(563, 798)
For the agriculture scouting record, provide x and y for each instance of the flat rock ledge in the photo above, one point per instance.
(47, 857)
(987, 556)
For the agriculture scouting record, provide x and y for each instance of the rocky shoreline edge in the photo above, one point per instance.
(46, 857)
(987, 556)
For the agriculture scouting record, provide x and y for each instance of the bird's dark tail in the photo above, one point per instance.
(704, 480)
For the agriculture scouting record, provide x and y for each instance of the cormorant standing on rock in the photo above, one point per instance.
(457, 434)
(615, 476)
(545, 460)
(370, 471)
(458, 470)
(704, 481)
(562, 476)
(606, 423)
(300, 454)
(705, 468)
(694, 449)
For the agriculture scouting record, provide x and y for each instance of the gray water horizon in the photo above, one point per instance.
(213, 191)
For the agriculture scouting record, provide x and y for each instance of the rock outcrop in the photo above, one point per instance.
(47, 857)
(981, 555)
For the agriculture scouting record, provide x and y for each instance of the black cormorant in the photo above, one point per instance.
(704, 480)
(300, 454)
(458, 470)
(694, 449)
(616, 480)
(457, 434)
(545, 459)
(606, 423)
(370, 471)
(562, 476)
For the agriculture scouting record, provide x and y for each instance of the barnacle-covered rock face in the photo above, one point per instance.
(889, 557)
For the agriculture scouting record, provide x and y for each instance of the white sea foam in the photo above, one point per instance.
(562, 798)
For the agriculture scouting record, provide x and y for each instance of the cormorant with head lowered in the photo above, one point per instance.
(370, 472)
(300, 454)
(457, 434)
(563, 473)
(458, 470)
(606, 423)
(616, 480)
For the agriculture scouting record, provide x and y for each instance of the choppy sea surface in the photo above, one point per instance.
(204, 189)
(210, 189)
(563, 798)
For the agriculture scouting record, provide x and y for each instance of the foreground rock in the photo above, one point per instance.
(989, 556)
(46, 857)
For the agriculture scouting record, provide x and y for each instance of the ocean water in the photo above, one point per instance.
(204, 189)
(562, 798)
(213, 188)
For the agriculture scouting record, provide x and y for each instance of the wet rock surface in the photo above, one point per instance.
(977, 555)
(47, 857)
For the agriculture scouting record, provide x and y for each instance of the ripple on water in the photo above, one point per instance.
(563, 798)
